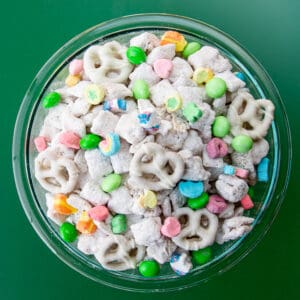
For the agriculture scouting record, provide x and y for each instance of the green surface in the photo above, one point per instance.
(31, 31)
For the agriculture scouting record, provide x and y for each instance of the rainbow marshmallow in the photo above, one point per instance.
(111, 145)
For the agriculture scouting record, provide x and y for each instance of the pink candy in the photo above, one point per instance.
(247, 202)
(70, 139)
(163, 67)
(216, 204)
(171, 227)
(99, 213)
(76, 67)
(216, 148)
(40, 143)
(242, 173)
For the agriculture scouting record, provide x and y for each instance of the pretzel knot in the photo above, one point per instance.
(119, 253)
(249, 116)
(198, 228)
(107, 63)
(56, 174)
(154, 168)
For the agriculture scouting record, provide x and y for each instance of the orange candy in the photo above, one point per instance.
(174, 37)
(86, 224)
(61, 206)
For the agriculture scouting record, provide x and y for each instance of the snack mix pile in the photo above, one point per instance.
(149, 153)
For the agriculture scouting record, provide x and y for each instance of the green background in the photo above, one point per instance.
(32, 30)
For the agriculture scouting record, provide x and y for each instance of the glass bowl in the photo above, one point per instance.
(268, 196)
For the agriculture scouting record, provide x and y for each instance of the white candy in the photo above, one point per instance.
(147, 41)
(116, 90)
(104, 123)
(147, 231)
(209, 57)
(121, 201)
(180, 68)
(166, 51)
(93, 193)
(145, 72)
(120, 161)
(161, 91)
(161, 251)
(98, 164)
(128, 128)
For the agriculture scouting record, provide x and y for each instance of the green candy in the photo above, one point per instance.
(242, 143)
(68, 232)
(251, 192)
(118, 224)
(202, 256)
(136, 55)
(215, 88)
(140, 89)
(191, 112)
(221, 126)
(51, 100)
(89, 141)
(111, 182)
(190, 48)
(199, 202)
(149, 268)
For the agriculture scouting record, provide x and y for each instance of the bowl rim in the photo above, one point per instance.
(60, 58)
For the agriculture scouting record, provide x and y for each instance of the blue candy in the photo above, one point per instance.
(262, 170)
(191, 189)
(229, 170)
(115, 105)
(241, 76)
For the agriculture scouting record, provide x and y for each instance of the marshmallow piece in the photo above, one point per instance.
(171, 227)
(180, 68)
(163, 67)
(40, 143)
(120, 161)
(166, 51)
(145, 72)
(193, 143)
(104, 123)
(121, 201)
(93, 193)
(98, 164)
(233, 83)
(147, 231)
(147, 41)
(161, 91)
(231, 188)
(129, 129)
(161, 251)
(209, 57)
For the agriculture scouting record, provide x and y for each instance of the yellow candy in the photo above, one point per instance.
(174, 37)
(202, 75)
(148, 200)
(85, 224)
(94, 94)
(72, 80)
(173, 103)
(61, 206)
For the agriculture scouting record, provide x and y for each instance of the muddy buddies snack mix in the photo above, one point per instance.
(149, 152)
